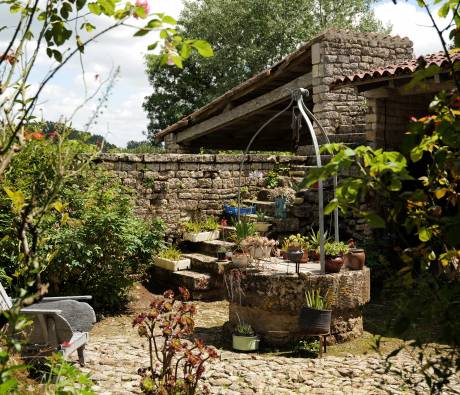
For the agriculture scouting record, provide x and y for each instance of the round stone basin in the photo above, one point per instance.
(271, 300)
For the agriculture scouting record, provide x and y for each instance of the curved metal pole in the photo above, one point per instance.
(334, 178)
(302, 108)
(248, 147)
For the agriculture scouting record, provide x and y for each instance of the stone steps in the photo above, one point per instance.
(206, 264)
(212, 247)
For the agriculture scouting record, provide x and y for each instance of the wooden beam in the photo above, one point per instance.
(244, 110)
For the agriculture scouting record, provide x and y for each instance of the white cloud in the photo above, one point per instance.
(411, 21)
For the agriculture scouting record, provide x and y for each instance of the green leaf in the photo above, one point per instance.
(94, 8)
(203, 48)
(169, 19)
(17, 199)
(374, 220)
(152, 47)
(140, 33)
(444, 10)
(424, 234)
(332, 205)
(89, 27)
(80, 45)
(185, 51)
(15, 8)
(177, 61)
(80, 4)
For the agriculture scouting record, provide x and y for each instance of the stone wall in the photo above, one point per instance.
(271, 303)
(339, 53)
(176, 187)
(388, 117)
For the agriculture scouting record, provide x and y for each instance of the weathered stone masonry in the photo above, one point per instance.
(175, 187)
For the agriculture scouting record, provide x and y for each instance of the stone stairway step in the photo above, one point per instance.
(211, 247)
(193, 281)
(206, 264)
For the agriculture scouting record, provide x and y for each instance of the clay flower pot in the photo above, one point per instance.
(304, 258)
(240, 259)
(355, 259)
(333, 265)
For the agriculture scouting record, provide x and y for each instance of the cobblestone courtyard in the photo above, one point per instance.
(115, 352)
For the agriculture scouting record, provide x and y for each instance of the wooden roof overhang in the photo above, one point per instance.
(229, 121)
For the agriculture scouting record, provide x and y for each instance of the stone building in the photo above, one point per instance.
(229, 121)
(392, 98)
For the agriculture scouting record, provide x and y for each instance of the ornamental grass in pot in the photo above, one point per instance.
(262, 225)
(244, 338)
(315, 316)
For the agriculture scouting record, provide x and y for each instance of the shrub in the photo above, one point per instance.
(91, 243)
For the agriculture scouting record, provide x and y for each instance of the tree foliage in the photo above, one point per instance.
(247, 36)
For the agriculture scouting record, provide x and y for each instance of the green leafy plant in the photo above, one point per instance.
(334, 249)
(176, 364)
(207, 225)
(314, 239)
(272, 179)
(307, 348)
(243, 329)
(171, 252)
(261, 217)
(315, 300)
(296, 241)
(244, 229)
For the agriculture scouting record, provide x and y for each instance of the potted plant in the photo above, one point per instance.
(355, 258)
(171, 259)
(261, 225)
(232, 209)
(313, 240)
(284, 249)
(198, 231)
(315, 316)
(334, 252)
(240, 256)
(244, 338)
(222, 253)
(297, 243)
(258, 247)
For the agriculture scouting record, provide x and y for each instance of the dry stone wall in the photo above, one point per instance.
(176, 187)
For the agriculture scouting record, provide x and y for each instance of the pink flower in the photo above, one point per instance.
(142, 4)
(65, 344)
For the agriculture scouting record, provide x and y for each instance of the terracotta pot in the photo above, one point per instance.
(284, 254)
(333, 265)
(240, 259)
(355, 259)
(304, 258)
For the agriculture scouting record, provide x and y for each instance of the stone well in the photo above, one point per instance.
(270, 301)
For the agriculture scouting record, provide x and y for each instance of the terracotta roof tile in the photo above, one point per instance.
(406, 67)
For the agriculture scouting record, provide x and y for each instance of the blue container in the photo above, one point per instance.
(231, 210)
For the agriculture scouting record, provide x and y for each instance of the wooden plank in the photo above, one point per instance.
(248, 108)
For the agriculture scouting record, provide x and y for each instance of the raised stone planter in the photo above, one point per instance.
(201, 236)
(172, 266)
(271, 302)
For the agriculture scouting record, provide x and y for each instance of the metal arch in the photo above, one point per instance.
(297, 97)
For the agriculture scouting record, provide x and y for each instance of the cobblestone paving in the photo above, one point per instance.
(115, 352)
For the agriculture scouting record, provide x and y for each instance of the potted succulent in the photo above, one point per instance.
(243, 230)
(171, 259)
(258, 247)
(244, 338)
(261, 225)
(284, 249)
(355, 258)
(198, 231)
(297, 243)
(222, 253)
(334, 252)
(315, 316)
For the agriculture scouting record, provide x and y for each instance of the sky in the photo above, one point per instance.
(124, 118)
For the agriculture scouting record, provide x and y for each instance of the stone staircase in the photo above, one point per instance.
(204, 279)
